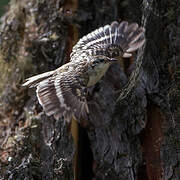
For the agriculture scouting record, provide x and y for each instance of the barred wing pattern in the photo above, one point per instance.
(60, 92)
(111, 40)
(61, 96)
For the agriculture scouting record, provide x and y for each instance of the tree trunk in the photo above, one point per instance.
(133, 130)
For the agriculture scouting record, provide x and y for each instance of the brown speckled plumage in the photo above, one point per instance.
(62, 92)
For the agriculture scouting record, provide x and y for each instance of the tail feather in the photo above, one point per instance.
(107, 33)
(122, 28)
(133, 47)
(122, 37)
(127, 55)
(136, 35)
(131, 29)
(114, 29)
(35, 80)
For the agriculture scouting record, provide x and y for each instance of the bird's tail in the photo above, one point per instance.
(123, 37)
(129, 37)
(35, 80)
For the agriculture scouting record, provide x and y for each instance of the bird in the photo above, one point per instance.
(62, 92)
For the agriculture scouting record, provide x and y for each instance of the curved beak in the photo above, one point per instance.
(112, 59)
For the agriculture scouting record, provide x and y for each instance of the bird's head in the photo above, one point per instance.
(98, 67)
(100, 61)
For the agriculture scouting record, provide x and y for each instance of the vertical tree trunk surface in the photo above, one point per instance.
(136, 137)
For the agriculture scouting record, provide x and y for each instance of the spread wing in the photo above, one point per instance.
(117, 39)
(61, 95)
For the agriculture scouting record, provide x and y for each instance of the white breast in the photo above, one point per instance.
(97, 73)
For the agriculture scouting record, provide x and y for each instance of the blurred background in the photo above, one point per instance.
(123, 139)
(3, 6)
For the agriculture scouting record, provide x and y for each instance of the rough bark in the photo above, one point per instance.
(136, 137)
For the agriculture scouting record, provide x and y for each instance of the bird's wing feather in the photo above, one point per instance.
(63, 96)
(126, 37)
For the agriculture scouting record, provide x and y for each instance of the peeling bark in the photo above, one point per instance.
(134, 138)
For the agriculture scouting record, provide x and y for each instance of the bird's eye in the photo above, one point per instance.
(114, 54)
(101, 60)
